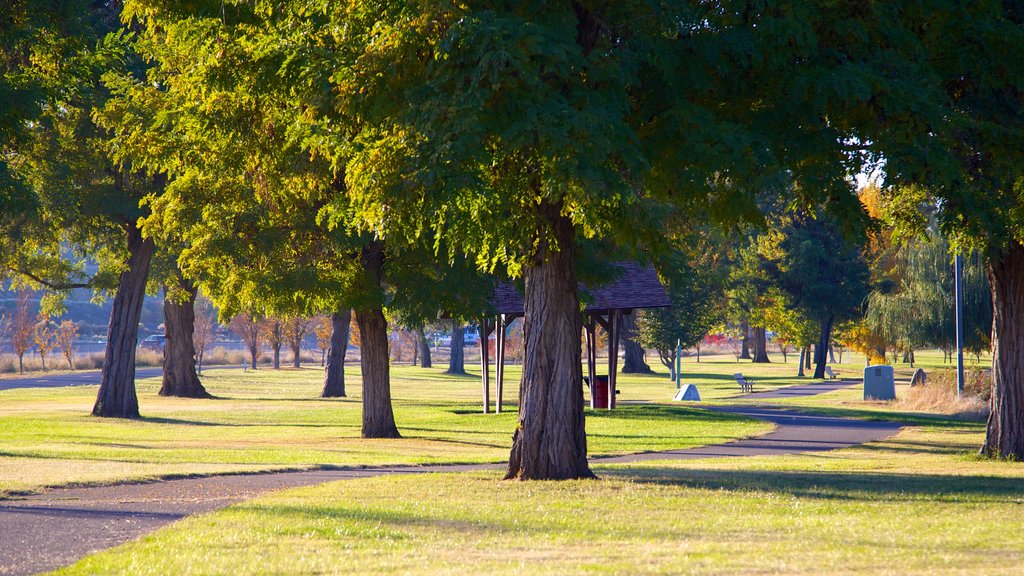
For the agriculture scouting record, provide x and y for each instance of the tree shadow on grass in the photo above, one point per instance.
(836, 485)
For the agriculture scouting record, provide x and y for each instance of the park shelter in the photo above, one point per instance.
(635, 287)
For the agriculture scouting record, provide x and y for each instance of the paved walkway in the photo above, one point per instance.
(802, 390)
(56, 528)
(81, 378)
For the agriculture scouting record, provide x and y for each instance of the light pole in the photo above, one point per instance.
(958, 283)
(679, 363)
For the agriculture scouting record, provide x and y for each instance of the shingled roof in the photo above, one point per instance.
(637, 287)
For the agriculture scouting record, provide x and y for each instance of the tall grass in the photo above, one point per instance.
(938, 394)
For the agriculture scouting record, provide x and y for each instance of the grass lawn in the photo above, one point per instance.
(915, 504)
(266, 420)
(919, 503)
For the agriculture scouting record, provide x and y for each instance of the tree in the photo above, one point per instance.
(456, 357)
(204, 329)
(248, 329)
(695, 310)
(22, 327)
(44, 338)
(823, 274)
(791, 325)
(273, 334)
(296, 328)
(334, 379)
(71, 201)
(180, 377)
(265, 161)
(67, 334)
(424, 348)
(576, 122)
(967, 160)
(633, 361)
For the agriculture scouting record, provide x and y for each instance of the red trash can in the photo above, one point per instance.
(600, 392)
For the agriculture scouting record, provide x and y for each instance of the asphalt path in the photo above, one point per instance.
(46, 531)
(82, 378)
(802, 390)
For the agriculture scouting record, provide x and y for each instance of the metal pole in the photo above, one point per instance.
(679, 364)
(958, 275)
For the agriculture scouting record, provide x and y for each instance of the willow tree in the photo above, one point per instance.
(517, 130)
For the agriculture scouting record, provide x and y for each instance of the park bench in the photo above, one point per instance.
(746, 384)
(832, 374)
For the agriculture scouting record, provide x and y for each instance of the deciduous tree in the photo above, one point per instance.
(66, 337)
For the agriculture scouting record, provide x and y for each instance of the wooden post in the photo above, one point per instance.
(499, 366)
(485, 365)
(614, 328)
(589, 331)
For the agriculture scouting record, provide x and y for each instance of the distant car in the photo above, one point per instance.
(153, 342)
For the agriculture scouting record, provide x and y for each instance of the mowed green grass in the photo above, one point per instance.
(919, 503)
(268, 420)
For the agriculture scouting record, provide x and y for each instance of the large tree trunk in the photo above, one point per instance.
(424, 348)
(1005, 434)
(745, 349)
(180, 378)
(296, 356)
(633, 361)
(800, 364)
(334, 378)
(821, 348)
(116, 396)
(760, 345)
(457, 358)
(378, 418)
(277, 356)
(551, 441)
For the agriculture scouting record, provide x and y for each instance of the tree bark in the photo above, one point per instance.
(821, 348)
(457, 358)
(1004, 436)
(378, 417)
(277, 356)
(334, 377)
(745, 349)
(800, 364)
(253, 353)
(424, 347)
(116, 397)
(296, 356)
(551, 441)
(633, 361)
(760, 345)
(180, 377)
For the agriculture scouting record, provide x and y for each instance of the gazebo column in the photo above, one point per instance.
(485, 331)
(499, 366)
(590, 329)
(614, 329)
